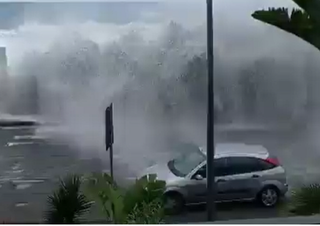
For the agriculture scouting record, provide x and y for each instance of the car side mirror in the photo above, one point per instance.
(198, 177)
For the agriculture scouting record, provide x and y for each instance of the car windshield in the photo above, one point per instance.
(186, 162)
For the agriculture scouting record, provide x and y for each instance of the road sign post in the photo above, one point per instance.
(109, 135)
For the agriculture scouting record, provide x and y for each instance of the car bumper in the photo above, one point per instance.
(284, 189)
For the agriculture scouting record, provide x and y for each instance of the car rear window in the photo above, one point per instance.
(239, 165)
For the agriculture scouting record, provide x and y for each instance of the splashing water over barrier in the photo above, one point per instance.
(155, 73)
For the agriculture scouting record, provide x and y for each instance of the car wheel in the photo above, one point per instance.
(173, 203)
(269, 196)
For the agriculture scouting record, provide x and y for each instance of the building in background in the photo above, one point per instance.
(3, 58)
(3, 79)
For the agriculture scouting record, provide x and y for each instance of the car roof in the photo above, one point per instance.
(238, 149)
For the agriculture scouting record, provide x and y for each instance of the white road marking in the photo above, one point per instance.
(22, 204)
(11, 144)
(19, 127)
(23, 186)
(32, 137)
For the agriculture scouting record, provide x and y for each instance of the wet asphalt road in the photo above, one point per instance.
(29, 172)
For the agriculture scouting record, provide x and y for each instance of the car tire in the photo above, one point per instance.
(173, 203)
(268, 196)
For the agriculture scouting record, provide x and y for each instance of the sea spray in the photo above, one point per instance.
(143, 68)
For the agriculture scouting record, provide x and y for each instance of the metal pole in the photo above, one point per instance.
(210, 118)
(112, 140)
(111, 161)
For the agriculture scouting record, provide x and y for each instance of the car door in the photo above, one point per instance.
(198, 190)
(241, 179)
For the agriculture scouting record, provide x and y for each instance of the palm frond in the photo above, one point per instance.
(67, 203)
(311, 7)
(298, 23)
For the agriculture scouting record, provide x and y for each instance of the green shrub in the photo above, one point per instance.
(67, 203)
(140, 203)
(305, 200)
(147, 213)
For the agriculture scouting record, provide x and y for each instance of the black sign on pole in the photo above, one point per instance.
(109, 138)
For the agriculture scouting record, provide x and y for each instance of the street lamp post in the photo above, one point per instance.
(210, 118)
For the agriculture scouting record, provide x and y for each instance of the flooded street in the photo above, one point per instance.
(30, 169)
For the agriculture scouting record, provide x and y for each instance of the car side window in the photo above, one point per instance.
(240, 165)
(203, 171)
(220, 168)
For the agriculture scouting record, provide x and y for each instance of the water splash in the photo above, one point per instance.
(155, 75)
(79, 72)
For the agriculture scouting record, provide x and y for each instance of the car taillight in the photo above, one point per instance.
(274, 161)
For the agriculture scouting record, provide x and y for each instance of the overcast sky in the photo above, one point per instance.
(13, 14)
(233, 25)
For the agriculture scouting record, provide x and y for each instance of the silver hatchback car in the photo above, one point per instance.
(243, 173)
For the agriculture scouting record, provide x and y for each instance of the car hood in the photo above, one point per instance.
(162, 171)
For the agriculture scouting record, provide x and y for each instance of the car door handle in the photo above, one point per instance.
(255, 176)
(221, 180)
